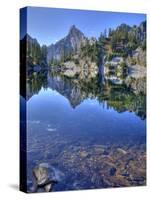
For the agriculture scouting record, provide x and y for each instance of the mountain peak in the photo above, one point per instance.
(74, 29)
(68, 45)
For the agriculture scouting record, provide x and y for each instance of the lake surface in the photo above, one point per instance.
(92, 134)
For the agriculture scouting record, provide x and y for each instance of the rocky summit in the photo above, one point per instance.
(66, 46)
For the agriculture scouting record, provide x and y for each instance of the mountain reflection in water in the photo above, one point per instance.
(93, 134)
(76, 91)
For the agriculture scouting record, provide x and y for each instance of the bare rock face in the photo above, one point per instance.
(71, 69)
(85, 69)
(69, 44)
(137, 85)
(140, 56)
(88, 69)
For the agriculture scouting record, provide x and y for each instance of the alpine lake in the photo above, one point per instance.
(92, 134)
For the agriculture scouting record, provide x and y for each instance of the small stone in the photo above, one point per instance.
(121, 151)
(83, 154)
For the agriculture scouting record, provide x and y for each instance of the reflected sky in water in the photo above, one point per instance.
(91, 116)
(67, 121)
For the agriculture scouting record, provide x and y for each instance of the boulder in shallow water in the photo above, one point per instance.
(43, 178)
(41, 175)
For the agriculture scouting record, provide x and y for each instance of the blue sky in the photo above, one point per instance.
(48, 25)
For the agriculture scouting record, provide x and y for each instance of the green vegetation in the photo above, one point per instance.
(123, 40)
(91, 51)
(36, 54)
(64, 58)
(144, 45)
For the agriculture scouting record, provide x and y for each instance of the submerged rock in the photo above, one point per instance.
(112, 171)
(83, 154)
(121, 151)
